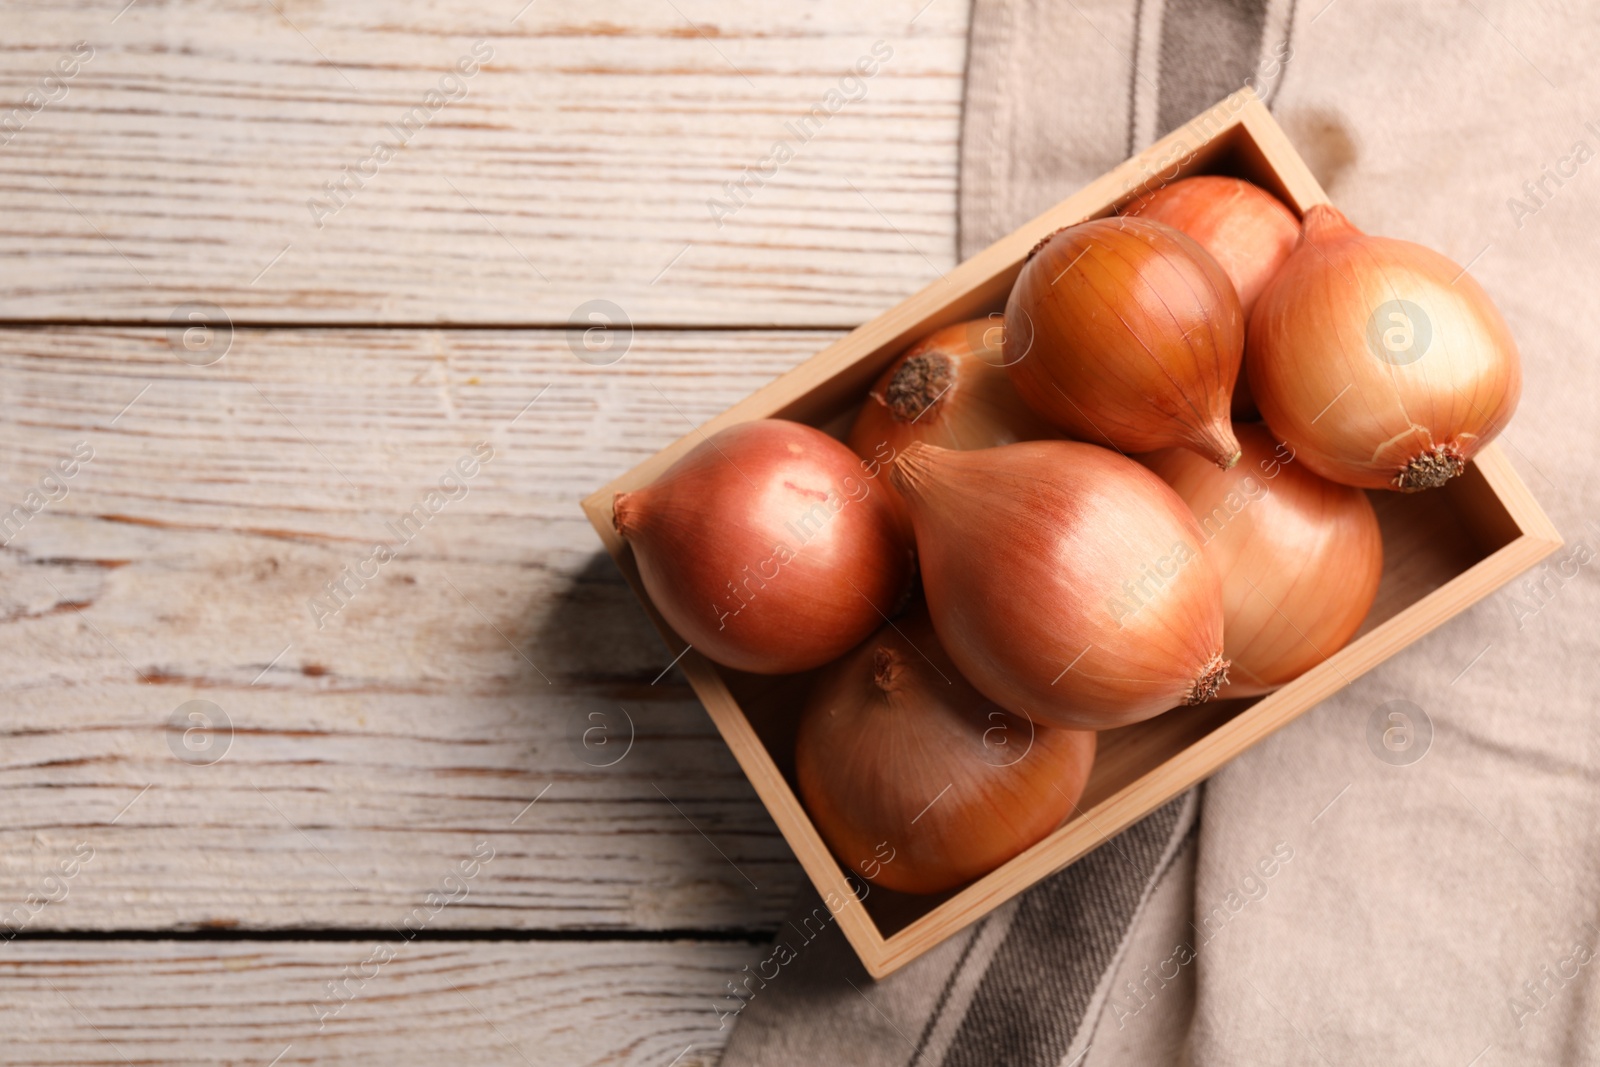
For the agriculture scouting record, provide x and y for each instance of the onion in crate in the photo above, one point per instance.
(1380, 362)
(1247, 230)
(949, 389)
(1065, 581)
(1125, 332)
(1299, 557)
(766, 548)
(918, 782)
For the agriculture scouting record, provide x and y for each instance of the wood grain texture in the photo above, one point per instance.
(367, 760)
(468, 1002)
(181, 161)
(374, 753)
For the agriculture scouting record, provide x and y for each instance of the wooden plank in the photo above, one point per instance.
(189, 159)
(431, 1003)
(371, 755)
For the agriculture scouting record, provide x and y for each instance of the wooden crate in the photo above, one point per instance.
(1443, 551)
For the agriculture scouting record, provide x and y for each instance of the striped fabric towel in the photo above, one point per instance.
(1013, 988)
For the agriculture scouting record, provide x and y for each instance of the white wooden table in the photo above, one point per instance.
(186, 890)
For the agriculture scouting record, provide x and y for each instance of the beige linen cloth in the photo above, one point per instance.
(1327, 906)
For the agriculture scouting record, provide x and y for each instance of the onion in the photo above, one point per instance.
(915, 780)
(1066, 581)
(1246, 229)
(1125, 331)
(1299, 557)
(1380, 362)
(950, 389)
(766, 549)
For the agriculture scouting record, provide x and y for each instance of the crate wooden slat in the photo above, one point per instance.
(1444, 551)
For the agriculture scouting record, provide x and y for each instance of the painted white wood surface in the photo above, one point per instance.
(432, 1003)
(370, 758)
(371, 753)
(181, 160)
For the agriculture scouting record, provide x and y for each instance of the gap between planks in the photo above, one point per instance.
(464, 327)
(753, 936)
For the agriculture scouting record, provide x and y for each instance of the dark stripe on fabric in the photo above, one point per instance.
(1133, 74)
(1063, 938)
(1209, 48)
(944, 993)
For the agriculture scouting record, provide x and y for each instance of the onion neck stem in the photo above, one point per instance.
(1324, 222)
(1218, 444)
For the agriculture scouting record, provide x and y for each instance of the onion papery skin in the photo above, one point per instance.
(1125, 332)
(1299, 557)
(1368, 391)
(916, 781)
(1066, 582)
(1247, 230)
(766, 547)
(950, 389)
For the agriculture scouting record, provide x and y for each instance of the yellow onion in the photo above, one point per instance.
(1246, 229)
(950, 389)
(1065, 581)
(1125, 332)
(1381, 363)
(766, 548)
(915, 780)
(1299, 557)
